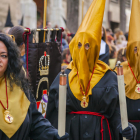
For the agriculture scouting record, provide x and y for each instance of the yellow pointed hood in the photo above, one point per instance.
(84, 61)
(133, 58)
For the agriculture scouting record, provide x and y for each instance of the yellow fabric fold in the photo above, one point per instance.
(84, 60)
(100, 69)
(18, 105)
(130, 82)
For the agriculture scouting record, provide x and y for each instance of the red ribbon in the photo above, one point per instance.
(134, 121)
(27, 34)
(133, 74)
(6, 96)
(88, 83)
(96, 114)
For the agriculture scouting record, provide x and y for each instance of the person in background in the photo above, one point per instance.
(66, 58)
(112, 57)
(126, 36)
(56, 26)
(121, 55)
(121, 42)
(64, 41)
(17, 32)
(5, 30)
(110, 40)
(48, 24)
(104, 48)
(109, 31)
(40, 23)
(69, 35)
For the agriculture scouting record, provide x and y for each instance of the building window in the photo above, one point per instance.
(115, 1)
(128, 2)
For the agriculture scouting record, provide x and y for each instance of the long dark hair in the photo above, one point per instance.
(15, 72)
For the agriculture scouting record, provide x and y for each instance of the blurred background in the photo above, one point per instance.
(63, 13)
(69, 14)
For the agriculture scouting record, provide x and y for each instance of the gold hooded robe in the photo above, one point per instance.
(133, 58)
(85, 61)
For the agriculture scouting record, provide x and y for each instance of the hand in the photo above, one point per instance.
(65, 137)
(127, 132)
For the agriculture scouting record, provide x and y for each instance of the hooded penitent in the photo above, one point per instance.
(132, 66)
(85, 62)
(8, 20)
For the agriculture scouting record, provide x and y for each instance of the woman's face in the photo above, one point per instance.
(3, 58)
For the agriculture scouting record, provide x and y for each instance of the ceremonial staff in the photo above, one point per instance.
(44, 20)
(82, 9)
(62, 104)
(122, 97)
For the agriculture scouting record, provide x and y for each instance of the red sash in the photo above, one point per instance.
(134, 121)
(96, 114)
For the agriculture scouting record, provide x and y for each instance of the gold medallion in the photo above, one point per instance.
(8, 117)
(84, 103)
(137, 88)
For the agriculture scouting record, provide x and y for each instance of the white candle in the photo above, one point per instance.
(122, 97)
(62, 104)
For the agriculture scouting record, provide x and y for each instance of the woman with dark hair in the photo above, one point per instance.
(17, 32)
(104, 48)
(19, 118)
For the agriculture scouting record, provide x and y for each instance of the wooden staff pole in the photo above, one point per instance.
(62, 104)
(45, 16)
(82, 9)
(122, 97)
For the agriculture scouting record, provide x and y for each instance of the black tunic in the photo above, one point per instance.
(34, 126)
(104, 100)
(133, 110)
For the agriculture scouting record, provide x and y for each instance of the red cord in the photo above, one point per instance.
(133, 74)
(88, 83)
(6, 96)
(27, 33)
(134, 121)
(99, 115)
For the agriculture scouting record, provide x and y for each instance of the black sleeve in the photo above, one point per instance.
(115, 123)
(41, 128)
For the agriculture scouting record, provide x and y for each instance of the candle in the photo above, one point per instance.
(122, 97)
(62, 104)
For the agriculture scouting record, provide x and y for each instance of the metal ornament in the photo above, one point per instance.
(44, 70)
(84, 103)
(8, 117)
(137, 88)
(42, 80)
